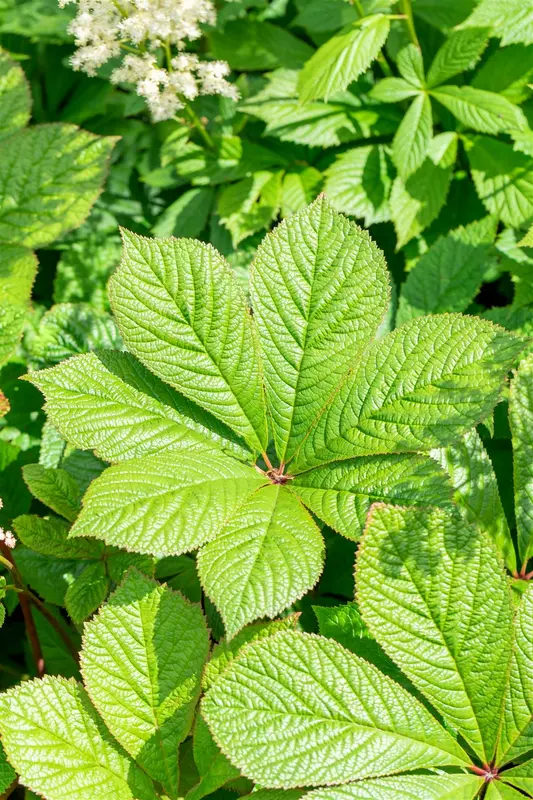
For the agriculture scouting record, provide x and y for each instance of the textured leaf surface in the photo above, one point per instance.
(42, 195)
(214, 768)
(267, 556)
(512, 22)
(521, 776)
(521, 421)
(87, 592)
(435, 596)
(516, 736)
(461, 50)
(411, 65)
(502, 791)
(50, 537)
(60, 747)
(448, 276)
(165, 504)
(296, 709)
(319, 291)
(108, 402)
(142, 660)
(503, 179)
(416, 202)
(343, 58)
(393, 90)
(413, 137)
(359, 183)
(7, 773)
(15, 97)
(420, 387)
(18, 267)
(341, 493)
(55, 488)
(483, 111)
(476, 490)
(404, 787)
(181, 311)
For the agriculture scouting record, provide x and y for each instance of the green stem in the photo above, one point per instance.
(198, 124)
(405, 5)
(358, 7)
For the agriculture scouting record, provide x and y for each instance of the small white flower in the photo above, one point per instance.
(7, 538)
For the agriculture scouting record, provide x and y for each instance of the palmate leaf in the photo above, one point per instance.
(193, 322)
(325, 281)
(404, 787)
(420, 387)
(483, 111)
(142, 661)
(15, 97)
(165, 504)
(461, 50)
(521, 421)
(299, 710)
(413, 137)
(43, 196)
(341, 493)
(268, 555)
(61, 749)
(87, 393)
(434, 595)
(343, 58)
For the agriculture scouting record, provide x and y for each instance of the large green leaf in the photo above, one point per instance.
(448, 276)
(433, 593)
(461, 50)
(18, 267)
(110, 403)
(60, 747)
(413, 137)
(404, 787)
(341, 493)
(343, 58)
(182, 312)
(359, 183)
(50, 537)
(268, 555)
(142, 661)
(55, 488)
(420, 387)
(521, 421)
(503, 178)
(50, 176)
(416, 202)
(319, 290)
(521, 776)
(502, 791)
(87, 592)
(299, 710)
(476, 490)
(512, 21)
(483, 111)
(516, 736)
(15, 97)
(165, 504)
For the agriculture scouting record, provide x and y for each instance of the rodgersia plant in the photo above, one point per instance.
(229, 432)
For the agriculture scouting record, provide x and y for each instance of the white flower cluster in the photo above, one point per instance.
(104, 28)
(6, 537)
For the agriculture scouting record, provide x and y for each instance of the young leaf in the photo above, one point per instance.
(416, 202)
(413, 137)
(521, 422)
(50, 537)
(461, 51)
(49, 177)
(393, 90)
(142, 660)
(319, 290)
(512, 22)
(343, 58)
(434, 595)
(55, 488)
(341, 493)
(503, 179)
(483, 111)
(268, 555)
(87, 592)
(15, 97)
(411, 65)
(405, 787)
(421, 386)
(476, 491)
(448, 276)
(108, 402)
(214, 768)
(60, 747)
(299, 710)
(359, 183)
(165, 504)
(182, 313)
